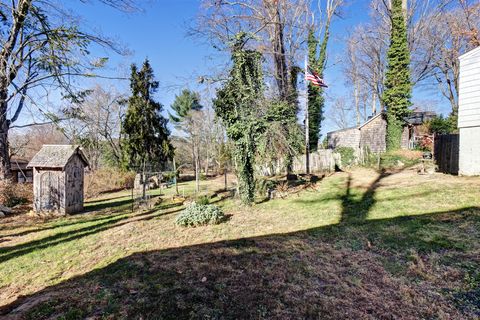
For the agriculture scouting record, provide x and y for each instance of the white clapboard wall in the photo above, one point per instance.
(469, 113)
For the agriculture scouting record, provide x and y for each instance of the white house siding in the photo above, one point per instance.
(469, 113)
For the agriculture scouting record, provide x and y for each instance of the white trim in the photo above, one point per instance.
(469, 53)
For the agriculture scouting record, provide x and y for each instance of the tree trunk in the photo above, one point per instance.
(206, 162)
(144, 186)
(225, 178)
(279, 57)
(357, 107)
(175, 175)
(197, 170)
(5, 166)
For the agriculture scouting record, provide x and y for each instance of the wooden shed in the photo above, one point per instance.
(58, 173)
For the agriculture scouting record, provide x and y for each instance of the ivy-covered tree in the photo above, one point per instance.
(184, 106)
(317, 59)
(316, 100)
(398, 86)
(145, 133)
(237, 105)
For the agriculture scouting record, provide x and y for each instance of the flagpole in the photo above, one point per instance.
(307, 127)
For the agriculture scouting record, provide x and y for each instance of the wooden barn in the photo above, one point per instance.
(58, 173)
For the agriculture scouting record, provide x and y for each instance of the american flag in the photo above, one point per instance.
(314, 78)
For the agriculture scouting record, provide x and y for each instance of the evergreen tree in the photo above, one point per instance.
(183, 106)
(236, 105)
(398, 87)
(145, 134)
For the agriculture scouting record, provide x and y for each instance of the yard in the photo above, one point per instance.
(359, 245)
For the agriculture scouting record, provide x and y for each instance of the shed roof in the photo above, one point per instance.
(56, 156)
(18, 164)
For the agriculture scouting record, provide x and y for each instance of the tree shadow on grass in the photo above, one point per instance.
(356, 211)
(117, 204)
(105, 199)
(311, 274)
(10, 252)
(84, 217)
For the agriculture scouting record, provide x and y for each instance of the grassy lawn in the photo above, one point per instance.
(358, 245)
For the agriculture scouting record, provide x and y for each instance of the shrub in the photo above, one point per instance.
(369, 158)
(199, 214)
(441, 125)
(395, 159)
(203, 200)
(347, 154)
(168, 176)
(264, 184)
(12, 194)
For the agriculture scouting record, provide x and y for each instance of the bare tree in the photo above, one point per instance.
(342, 112)
(365, 63)
(96, 122)
(276, 28)
(451, 30)
(25, 143)
(42, 45)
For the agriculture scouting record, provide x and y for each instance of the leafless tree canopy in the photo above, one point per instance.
(438, 33)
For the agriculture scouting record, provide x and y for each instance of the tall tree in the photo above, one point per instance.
(185, 106)
(447, 34)
(41, 45)
(95, 123)
(317, 59)
(236, 105)
(398, 86)
(145, 134)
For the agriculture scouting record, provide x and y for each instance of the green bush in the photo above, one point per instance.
(347, 154)
(199, 214)
(441, 125)
(168, 176)
(264, 184)
(370, 159)
(400, 158)
(203, 200)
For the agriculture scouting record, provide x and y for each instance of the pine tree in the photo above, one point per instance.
(183, 106)
(398, 87)
(145, 133)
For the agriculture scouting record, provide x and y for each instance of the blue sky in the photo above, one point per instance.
(159, 33)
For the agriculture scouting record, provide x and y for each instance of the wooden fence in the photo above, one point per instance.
(323, 160)
(446, 152)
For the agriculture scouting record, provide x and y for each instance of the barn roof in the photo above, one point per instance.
(56, 156)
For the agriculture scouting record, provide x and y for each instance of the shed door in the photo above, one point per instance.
(49, 191)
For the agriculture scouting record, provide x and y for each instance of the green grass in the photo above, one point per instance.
(390, 245)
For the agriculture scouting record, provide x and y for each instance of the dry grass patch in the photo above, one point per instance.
(358, 246)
